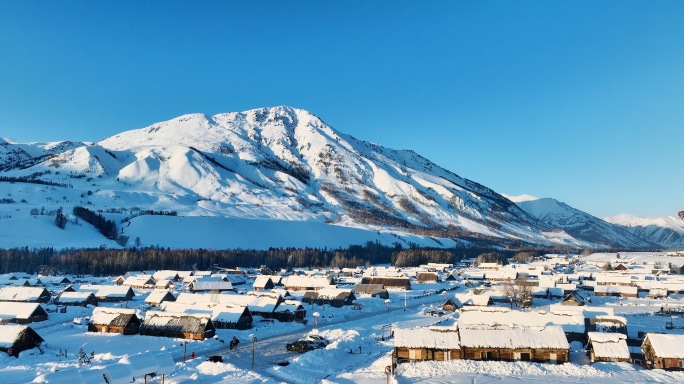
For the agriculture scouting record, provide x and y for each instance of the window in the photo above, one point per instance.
(553, 358)
(486, 355)
(681, 363)
(525, 356)
(412, 354)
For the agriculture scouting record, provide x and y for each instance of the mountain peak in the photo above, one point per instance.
(521, 198)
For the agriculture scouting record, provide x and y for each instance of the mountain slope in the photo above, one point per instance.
(271, 164)
(666, 231)
(579, 224)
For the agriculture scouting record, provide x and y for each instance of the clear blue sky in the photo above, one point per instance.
(582, 101)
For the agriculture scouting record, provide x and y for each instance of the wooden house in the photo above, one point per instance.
(178, 325)
(156, 297)
(616, 290)
(335, 297)
(82, 299)
(109, 293)
(427, 277)
(663, 351)
(608, 347)
(290, 310)
(475, 298)
(22, 313)
(167, 275)
(451, 305)
(164, 284)
(421, 344)
(17, 338)
(573, 298)
(608, 323)
(375, 290)
(140, 281)
(307, 283)
(388, 282)
(232, 318)
(263, 283)
(114, 320)
(503, 343)
(210, 285)
(25, 294)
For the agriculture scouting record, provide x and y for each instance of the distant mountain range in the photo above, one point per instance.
(281, 165)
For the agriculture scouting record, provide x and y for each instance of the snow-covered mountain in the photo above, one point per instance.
(579, 224)
(666, 231)
(268, 164)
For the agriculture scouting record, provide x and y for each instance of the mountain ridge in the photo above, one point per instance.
(282, 163)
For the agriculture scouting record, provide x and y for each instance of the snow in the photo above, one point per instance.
(440, 338)
(281, 167)
(667, 346)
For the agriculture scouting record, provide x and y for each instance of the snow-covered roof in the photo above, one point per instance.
(609, 345)
(616, 289)
(261, 281)
(255, 303)
(21, 293)
(433, 337)
(73, 297)
(585, 311)
(17, 309)
(307, 281)
(105, 290)
(202, 285)
(503, 316)
(9, 334)
(666, 345)
(156, 296)
(105, 316)
(551, 337)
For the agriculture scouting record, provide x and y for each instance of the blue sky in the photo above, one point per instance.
(582, 101)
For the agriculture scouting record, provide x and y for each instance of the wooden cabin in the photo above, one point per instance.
(427, 277)
(451, 305)
(573, 298)
(178, 325)
(263, 283)
(608, 347)
(156, 297)
(114, 320)
(25, 294)
(616, 290)
(388, 282)
(17, 338)
(308, 283)
(335, 297)
(81, 299)
(22, 313)
(290, 310)
(375, 290)
(539, 344)
(663, 351)
(232, 318)
(421, 344)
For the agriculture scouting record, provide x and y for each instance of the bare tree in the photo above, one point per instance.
(519, 292)
(511, 291)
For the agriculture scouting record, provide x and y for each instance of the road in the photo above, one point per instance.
(270, 351)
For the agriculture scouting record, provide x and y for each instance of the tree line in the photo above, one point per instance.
(106, 227)
(108, 262)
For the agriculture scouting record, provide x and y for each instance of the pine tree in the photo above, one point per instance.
(60, 218)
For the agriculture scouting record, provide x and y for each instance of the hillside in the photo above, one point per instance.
(268, 164)
(666, 231)
(579, 224)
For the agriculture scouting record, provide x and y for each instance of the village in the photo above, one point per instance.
(556, 310)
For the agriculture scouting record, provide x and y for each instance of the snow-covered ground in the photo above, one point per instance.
(359, 350)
